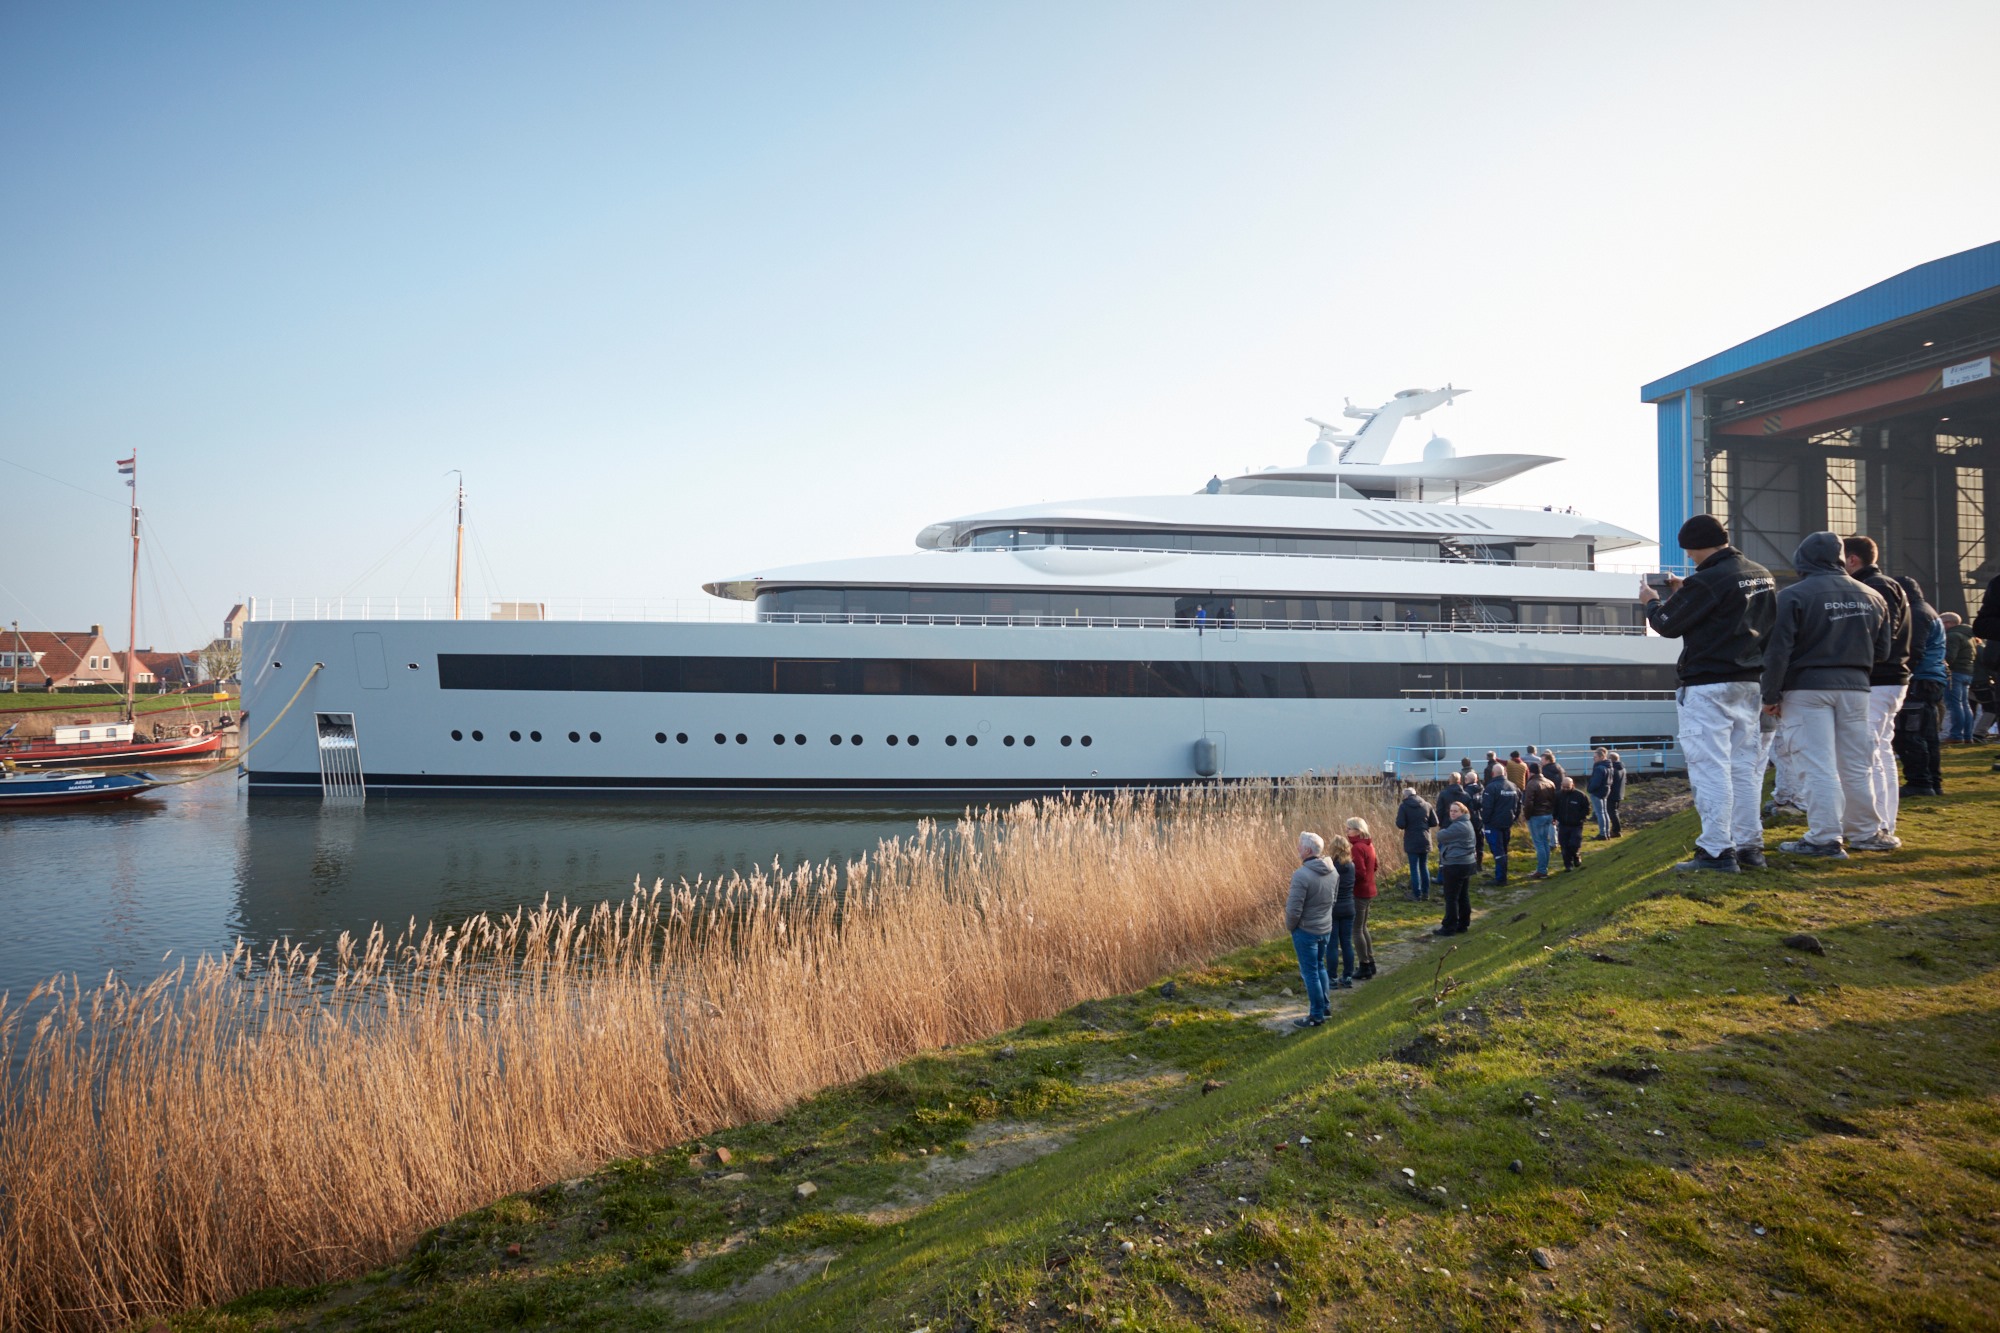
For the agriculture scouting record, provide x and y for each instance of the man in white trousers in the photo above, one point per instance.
(1721, 614)
(1829, 632)
(1888, 679)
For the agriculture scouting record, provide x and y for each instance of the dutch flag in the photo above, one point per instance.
(126, 468)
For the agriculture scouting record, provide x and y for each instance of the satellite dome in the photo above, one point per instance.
(1438, 448)
(1320, 455)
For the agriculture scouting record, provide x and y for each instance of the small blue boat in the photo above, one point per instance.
(69, 787)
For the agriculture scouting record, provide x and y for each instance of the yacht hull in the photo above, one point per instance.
(408, 688)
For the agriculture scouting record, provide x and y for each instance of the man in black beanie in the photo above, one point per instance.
(1721, 613)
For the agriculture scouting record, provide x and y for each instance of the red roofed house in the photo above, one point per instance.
(44, 659)
(166, 671)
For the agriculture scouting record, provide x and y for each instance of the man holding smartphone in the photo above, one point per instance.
(1721, 613)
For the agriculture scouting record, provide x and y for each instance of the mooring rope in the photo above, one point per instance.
(232, 762)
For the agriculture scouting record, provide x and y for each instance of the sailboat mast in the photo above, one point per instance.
(458, 561)
(132, 630)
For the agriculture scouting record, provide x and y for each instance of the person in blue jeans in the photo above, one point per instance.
(1539, 802)
(1600, 789)
(1961, 650)
(1501, 806)
(1309, 917)
(1416, 818)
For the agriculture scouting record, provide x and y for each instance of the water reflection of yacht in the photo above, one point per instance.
(1296, 618)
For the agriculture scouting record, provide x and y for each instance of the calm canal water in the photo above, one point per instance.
(191, 869)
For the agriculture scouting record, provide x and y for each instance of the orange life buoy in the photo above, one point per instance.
(195, 730)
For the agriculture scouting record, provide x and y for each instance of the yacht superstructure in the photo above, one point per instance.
(1274, 622)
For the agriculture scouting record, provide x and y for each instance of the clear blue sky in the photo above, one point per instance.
(690, 290)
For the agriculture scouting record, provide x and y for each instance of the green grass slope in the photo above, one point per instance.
(1627, 1098)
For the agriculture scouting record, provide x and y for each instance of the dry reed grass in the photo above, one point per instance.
(289, 1118)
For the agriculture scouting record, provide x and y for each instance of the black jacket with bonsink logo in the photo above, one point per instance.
(1721, 614)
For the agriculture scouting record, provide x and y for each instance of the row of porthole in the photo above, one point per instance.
(722, 738)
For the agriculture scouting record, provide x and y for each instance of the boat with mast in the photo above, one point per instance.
(120, 743)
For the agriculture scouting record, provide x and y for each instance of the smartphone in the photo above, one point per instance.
(1659, 582)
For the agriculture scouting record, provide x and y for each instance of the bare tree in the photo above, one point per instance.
(221, 660)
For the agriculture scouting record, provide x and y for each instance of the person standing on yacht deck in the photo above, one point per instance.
(1722, 614)
(1889, 681)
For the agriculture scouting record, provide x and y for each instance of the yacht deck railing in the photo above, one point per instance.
(717, 611)
(1421, 763)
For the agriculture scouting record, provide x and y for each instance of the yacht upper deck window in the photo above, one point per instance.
(1540, 552)
(867, 604)
(1155, 539)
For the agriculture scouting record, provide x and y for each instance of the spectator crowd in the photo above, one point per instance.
(1834, 681)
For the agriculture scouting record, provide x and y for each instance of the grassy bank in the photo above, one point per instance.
(289, 1118)
(93, 702)
(1627, 1098)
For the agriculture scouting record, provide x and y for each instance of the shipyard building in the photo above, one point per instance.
(1878, 414)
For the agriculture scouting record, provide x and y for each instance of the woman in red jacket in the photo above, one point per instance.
(1365, 863)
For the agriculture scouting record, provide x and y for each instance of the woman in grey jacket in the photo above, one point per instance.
(1309, 916)
(1458, 854)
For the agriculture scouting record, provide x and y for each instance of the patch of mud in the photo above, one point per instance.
(1654, 799)
(994, 1147)
(777, 1276)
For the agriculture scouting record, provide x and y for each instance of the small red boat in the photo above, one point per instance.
(112, 743)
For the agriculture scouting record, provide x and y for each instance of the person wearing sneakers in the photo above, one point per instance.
(1309, 917)
(1721, 613)
(1365, 864)
(1458, 853)
(1888, 678)
(1829, 633)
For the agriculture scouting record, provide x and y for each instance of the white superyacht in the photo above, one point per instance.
(1335, 615)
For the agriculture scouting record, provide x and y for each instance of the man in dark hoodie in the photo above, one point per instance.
(1416, 818)
(1888, 679)
(1829, 633)
(1721, 613)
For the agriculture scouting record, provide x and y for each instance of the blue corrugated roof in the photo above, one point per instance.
(1922, 288)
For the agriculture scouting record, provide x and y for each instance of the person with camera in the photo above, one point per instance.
(1830, 631)
(1721, 613)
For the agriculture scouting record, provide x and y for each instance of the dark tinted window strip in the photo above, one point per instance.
(539, 672)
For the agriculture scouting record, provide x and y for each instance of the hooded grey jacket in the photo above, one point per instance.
(1831, 629)
(1309, 905)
